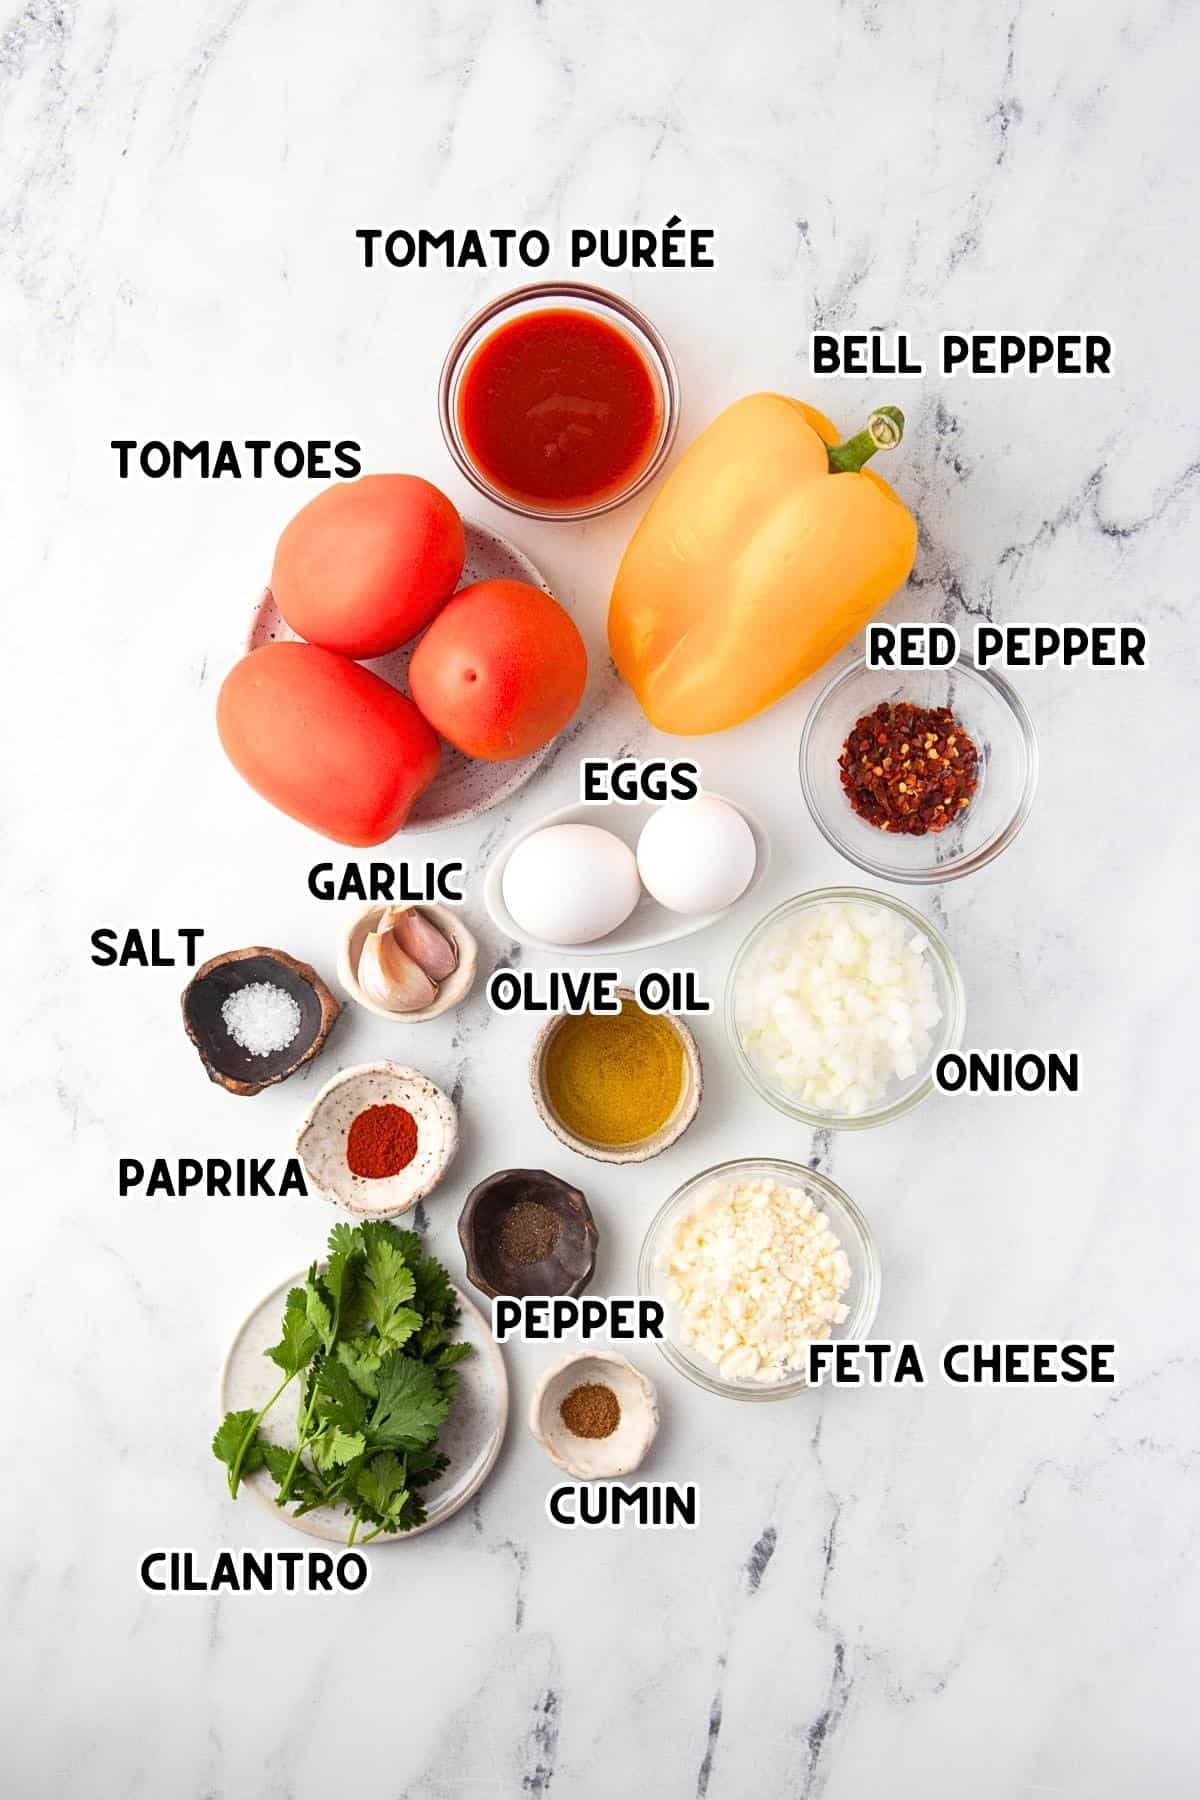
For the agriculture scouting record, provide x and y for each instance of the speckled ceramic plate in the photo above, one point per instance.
(471, 1436)
(464, 788)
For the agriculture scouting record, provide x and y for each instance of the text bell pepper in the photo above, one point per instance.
(767, 549)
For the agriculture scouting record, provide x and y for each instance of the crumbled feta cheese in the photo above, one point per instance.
(757, 1274)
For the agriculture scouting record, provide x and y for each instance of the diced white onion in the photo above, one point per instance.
(836, 1004)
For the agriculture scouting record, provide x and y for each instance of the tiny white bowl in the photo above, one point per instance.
(593, 1459)
(451, 992)
(321, 1139)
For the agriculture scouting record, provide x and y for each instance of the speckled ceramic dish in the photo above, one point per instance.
(451, 992)
(592, 1459)
(686, 1107)
(464, 788)
(471, 1436)
(321, 1140)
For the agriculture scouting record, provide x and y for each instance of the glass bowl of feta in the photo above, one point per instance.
(753, 1260)
(839, 1005)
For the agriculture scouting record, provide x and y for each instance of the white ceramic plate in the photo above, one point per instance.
(649, 923)
(471, 1436)
(463, 788)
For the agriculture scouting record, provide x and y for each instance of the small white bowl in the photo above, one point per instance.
(321, 1139)
(592, 1459)
(451, 992)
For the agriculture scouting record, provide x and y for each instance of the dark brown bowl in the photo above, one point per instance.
(226, 1062)
(570, 1265)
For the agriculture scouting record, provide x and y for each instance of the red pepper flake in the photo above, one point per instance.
(909, 769)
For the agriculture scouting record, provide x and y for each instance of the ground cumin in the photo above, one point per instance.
(591, 1411)
(528, 1232)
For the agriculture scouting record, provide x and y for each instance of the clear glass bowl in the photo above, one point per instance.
(901, 1096)
(540, 295)
(847, 1223)
(993, 715)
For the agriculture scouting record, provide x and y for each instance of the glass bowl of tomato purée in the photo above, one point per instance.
(559, 400)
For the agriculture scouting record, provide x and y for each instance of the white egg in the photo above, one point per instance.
(696, 856)
(571, 884)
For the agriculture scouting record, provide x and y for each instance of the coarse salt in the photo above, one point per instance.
(261, 1017)
(757, 1274)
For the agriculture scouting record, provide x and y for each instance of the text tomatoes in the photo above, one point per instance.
(367, 564)
(500, 670)
(326, 741)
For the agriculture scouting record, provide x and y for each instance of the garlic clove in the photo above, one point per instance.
(420, 939)
(390, 977)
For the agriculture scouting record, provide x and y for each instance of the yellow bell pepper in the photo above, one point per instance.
(767, 549)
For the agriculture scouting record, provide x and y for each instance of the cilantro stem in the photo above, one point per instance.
(285, 1486)
(235, 1467)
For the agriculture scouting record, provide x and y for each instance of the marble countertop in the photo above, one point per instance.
(930, 1593)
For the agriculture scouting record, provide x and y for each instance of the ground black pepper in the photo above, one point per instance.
(528, 1232)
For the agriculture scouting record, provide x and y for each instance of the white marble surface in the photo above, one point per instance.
(936, 1593)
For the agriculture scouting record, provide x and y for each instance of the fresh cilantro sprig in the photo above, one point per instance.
(369, 1338)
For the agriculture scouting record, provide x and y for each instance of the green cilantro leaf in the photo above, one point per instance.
(306, 1487)
(340, 1402)
(382, 1485)
(344, 1446)
(300, 1339)
(410, 1405)
(231, 1436)
(389, 1284)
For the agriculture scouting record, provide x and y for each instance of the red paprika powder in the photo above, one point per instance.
(382, 1141)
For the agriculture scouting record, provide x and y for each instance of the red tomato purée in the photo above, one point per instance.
(559, 408)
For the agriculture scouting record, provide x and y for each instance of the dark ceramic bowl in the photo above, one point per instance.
(571, 1263)
(225, 1060)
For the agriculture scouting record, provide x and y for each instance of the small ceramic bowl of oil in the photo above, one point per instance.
(618, 1087)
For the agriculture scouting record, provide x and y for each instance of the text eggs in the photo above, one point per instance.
(696, 856)
(571, 884)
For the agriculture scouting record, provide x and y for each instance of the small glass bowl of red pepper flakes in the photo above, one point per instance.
(889, 756)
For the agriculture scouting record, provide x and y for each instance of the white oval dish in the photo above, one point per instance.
(451, 992)
(594, 1459)
(464, 788)
(321, 1139)
(471, 1436)
(649, 924)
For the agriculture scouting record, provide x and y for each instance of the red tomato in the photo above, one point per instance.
(367, 564)
(500, 670)
(326, 742)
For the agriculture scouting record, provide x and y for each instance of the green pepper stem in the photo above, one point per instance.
(884, 429)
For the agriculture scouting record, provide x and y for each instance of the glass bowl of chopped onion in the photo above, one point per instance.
(927, 804)
(839, 1005)
(752, 1260)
